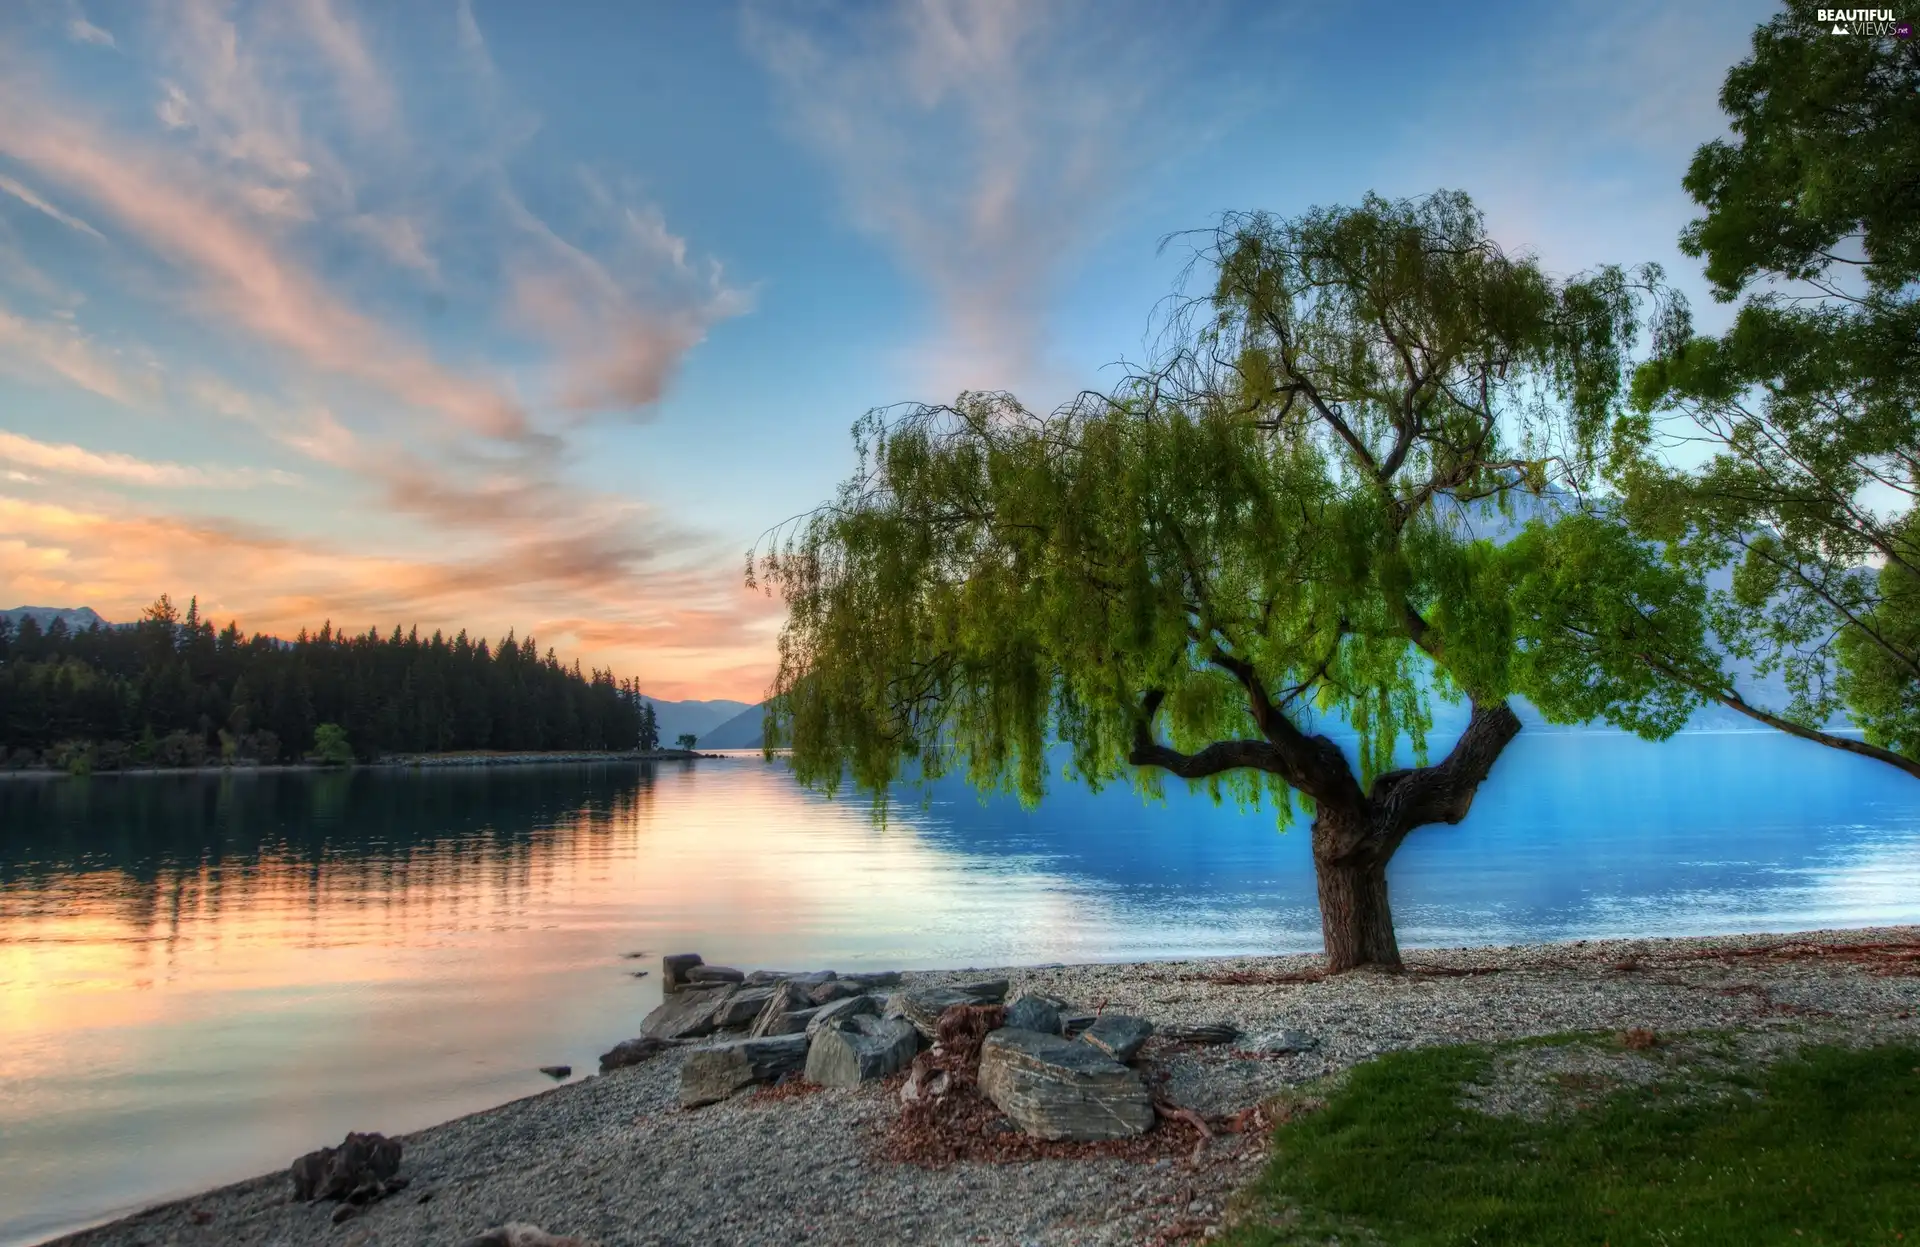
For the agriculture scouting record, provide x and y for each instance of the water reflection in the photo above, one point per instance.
(259, 963)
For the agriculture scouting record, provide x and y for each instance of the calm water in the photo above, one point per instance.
(201, 977)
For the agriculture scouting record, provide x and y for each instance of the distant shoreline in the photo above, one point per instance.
(416, 762)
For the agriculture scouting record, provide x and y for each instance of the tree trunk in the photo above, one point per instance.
(1356, 920)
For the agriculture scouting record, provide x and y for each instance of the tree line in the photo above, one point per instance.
(1284, 528)
(170, 690)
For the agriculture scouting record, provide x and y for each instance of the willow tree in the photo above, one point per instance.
(1207, 572)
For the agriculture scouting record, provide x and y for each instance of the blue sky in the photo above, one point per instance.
(537, 315)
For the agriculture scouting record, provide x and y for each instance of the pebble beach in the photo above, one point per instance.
(614, 1160)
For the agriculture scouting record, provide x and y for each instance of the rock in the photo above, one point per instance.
(633, 1051)
(874, 979)
(1072, 1024)
(715, 974)
(633, 956)
(766, 978)
(1118, 1035)
(1281, 1042)
(842, 1011)
(712, 1074)
(688, 1015)
(1031, 1013)
(362, 1163)
(1058, 1089)
(674, 967)
(859, 1049)
(346, 1212)
(557, 1071)
(639, 974)
(923, 1005)
(782, 999)
(741, 1007)
(794, 1023)
(986, 991)
(517, 1234)
(1205, 1032)
(834, 989)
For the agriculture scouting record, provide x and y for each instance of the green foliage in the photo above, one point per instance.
(1285, 513)
(687, 740)
(330, 747)
(1824, 1152)
(1810, 403)
(1824, 154)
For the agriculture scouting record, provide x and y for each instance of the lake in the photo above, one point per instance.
(203, 976)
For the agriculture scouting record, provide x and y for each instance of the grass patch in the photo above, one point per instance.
(1828, 1153)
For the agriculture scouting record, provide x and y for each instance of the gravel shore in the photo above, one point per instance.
(613, 1158)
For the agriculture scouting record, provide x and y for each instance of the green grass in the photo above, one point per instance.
(1827, 1153)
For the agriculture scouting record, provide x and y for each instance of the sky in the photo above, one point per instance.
(492, 315)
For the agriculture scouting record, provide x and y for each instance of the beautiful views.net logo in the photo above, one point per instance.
(1865, 22)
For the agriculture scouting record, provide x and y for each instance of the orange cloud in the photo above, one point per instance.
(680, 627)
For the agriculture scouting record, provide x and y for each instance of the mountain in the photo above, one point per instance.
(742, 731)
(79, 618)
(697, 717)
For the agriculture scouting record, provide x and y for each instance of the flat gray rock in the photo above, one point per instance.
(782, 999)
(741, 1007)
(869, 980)
(633, 1051)
(859, 1049)
(1118, 1035)
(686, 1015)
(1281, 1043)
(712, 1074)
(834, 989)
(1202, 1032)
(715, 974)
(1034, 1013)
(1055, 1088)
(985, 991)
(842, 1011)
(1072, 1024)
(923, 1005)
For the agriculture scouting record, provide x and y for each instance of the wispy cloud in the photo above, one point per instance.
(34, 201)
(983, 140)
(70, 460)
(80, 30)
(58, 351)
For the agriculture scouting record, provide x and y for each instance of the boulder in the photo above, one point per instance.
(741, 1007)
(712, 1074)
(1072, 1024)
(843, 1010)
(859, 1049)
(1032, 1013)
(633, 1051)
(794, 1023)
(687, 1015)
(923, 1005)
(360, 1169)
(834, 989)
(784, 998)
(766, 978)
(1203, 1032)
(557, 1071)
(985, 991)
(1118, 1035)
(715, 974)
(874, 979)
(674, 967)
(1054, 1088)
